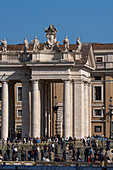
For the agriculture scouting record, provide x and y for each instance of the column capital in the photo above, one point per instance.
(35, 81)
(4, 81)
(78, 81)
(66, 80)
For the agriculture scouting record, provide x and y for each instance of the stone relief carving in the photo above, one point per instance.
(4, 45)
(51, 42)
(35, 44)
(66, 43)
(78, 42)
(26, 45)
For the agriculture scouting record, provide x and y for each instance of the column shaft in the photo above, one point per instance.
(71, 113)
(89, 108)
(35, 110)
(25, 109)
(4, 123)
(78, 109)
(86, 109)
(67, 110)
(46, 109)
(11, 110)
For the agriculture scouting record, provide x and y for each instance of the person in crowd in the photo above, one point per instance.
(57, 159)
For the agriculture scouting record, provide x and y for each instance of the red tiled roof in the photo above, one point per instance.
(102, 46)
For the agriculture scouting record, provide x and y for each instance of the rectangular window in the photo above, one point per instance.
(98, 112)
(98, 93)
(99, 59)
(0, 113)
(19, 112)
(19, 94)
(0, 93)
(97, 77)
(98, 128)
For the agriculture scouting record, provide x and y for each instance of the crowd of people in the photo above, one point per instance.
(58, 150)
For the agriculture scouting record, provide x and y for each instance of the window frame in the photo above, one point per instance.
(99, 57)
(17, 112)
(98, 85)
(97, 108)
(18, 101)
(98, 127)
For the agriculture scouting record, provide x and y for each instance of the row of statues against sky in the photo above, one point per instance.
(36, 44)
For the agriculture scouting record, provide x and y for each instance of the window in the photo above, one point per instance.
(19, 93)
(98, 93)
(19, 113)
(99, 59)
(0, 93)
(98, 129)
(97, 112)
(97, 77)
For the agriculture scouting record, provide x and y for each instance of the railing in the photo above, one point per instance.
(37, 163)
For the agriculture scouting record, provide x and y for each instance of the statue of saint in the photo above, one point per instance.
(26, 45)
(66, 43)
(4, 45)
(78, 42)
(51, 37)
(36, 44)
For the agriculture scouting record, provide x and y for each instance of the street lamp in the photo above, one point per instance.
(110, 114)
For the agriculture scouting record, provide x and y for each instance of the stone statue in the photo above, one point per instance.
(51, 37)
(78, 42)
(36, 44)
(26, 45)
(4, 45)
(66, 43)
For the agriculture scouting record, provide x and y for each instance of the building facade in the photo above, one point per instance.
(48, 89)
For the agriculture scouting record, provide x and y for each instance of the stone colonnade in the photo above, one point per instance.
(76, 109)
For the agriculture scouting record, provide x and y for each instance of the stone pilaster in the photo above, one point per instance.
(5, 111)
(67, 109)
(78, 108)
(35, 109)
(25, 109)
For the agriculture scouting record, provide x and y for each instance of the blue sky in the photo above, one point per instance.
(91, 20)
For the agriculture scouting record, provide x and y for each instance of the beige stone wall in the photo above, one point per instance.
(93, 128)
(107, 82)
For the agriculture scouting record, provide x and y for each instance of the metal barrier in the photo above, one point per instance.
(37, 163)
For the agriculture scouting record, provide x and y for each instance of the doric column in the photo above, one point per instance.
(25, 109)
(35, 109)
(71, 113)
(49, 109)
(89, 108)
(42, 109)
(4, 123)
(11, 110)
(45, 118)
(86, 96)
(78, 108)
(66, 109)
